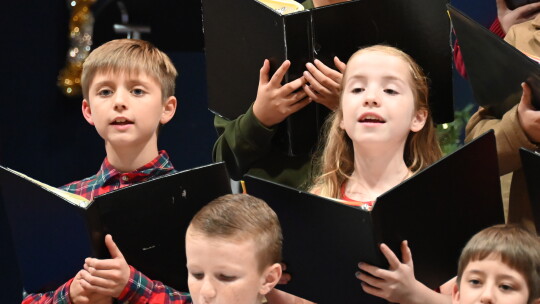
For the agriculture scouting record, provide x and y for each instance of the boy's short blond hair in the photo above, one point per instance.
(131, 56)
(242, 217)
(517, 248)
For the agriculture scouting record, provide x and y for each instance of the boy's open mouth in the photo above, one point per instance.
(121, 121)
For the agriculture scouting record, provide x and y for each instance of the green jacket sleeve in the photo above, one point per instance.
(241, 142)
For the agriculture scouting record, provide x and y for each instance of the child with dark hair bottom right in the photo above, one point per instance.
(500, 264)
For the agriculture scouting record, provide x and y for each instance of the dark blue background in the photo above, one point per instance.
(42, 132)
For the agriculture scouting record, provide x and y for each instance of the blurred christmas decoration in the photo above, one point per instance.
(81, 26)
(451, 134)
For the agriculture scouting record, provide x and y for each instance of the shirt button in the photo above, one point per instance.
(125, 178)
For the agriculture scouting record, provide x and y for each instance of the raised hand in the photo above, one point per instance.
(323, 83)
(508, 17)
(529, 117)
(394, 284)
(275, 102)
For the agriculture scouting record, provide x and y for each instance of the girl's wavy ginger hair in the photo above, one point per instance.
(336, 158)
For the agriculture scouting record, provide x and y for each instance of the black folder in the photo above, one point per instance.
(531, 167)
(495, 68)
(436, 210)
(52, 237)
(239, 35)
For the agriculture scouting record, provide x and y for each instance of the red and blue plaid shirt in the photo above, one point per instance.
(139, 289)
(108, 178)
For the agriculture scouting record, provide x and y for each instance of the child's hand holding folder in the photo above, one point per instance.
(106, 277)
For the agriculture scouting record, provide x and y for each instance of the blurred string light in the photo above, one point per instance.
(81, 26)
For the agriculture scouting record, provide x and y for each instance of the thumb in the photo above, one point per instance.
(526, 96)
(113, 249)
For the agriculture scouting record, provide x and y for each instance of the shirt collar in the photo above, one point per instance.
(159, 165)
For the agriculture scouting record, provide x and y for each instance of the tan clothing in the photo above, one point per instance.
(509, 134)
(526, 37)
(510, 137)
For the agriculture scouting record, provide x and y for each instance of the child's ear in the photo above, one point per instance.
(341, 125)
(169, 108)
(419, 120)
(270, 278)
(87, 112)
(455, 294)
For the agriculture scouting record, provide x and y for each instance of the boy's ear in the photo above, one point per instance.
(270, 278)
(169, 108)
(455, 294)
(419, 120)
(87, 112)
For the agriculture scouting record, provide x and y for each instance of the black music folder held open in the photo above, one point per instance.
(530, 162)
(239, 35)
(53, 233)
(436, 210)
(495, 68)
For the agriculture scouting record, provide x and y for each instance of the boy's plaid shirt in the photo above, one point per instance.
(108, 178)
(140, 289)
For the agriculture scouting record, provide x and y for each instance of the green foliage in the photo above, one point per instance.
(450, 135)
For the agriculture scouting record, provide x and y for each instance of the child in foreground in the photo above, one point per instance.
(380, 135)
(128, 89)
(233, 251)
(500, 264)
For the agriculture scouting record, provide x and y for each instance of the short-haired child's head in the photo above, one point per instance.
(242, 217)
(130, 56)
(515, 246)
(421, 147)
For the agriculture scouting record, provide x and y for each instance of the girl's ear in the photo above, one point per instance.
(87, 111)
(455, 294)
(419, 120)
(341, 124)
(270, 278)
(169, 108)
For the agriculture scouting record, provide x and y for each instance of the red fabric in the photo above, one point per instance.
(458, 58)
(349, 201)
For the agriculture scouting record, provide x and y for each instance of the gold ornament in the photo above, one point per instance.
(81, 27)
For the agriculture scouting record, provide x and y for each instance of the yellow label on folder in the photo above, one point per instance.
(283, 6)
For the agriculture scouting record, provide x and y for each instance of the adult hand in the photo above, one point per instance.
(529, 117)
(324, 83)
(275, 102)
(508, 17)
